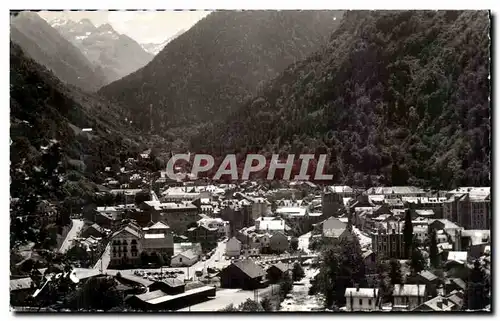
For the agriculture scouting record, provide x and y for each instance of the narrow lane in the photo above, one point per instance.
(72, 234)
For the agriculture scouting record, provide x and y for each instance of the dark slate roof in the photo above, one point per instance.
(250, 268)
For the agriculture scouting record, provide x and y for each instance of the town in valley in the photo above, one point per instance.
(123, 125)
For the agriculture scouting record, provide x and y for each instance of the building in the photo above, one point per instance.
(223, 227)
(186, 258)
(469, 207)
(270, 225)
(238, 214)
(397, 192)
(370, 262)
(126, 246)
(171, 286)
(332, 202)
(233, 247)
(388, 240)
(408, 296)
(276, 272)
(206, 236)
(94, 230)
(243, 274)
(333, 228)
(21, 290)
(161, 301)
(362, 299)
(159, 243)
(440, 303)
(278, 243)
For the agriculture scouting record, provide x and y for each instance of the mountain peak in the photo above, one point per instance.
(106, 27)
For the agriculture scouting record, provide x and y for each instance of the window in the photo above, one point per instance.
(370, 302)
(180, 260)
(360, 301)
(114, 254)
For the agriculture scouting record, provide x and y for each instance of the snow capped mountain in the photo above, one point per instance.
(117, 54)
(155, 48)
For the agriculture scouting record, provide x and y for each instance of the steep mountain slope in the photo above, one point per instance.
(218, 64)
(118, 55)
(44, 110)
(155, 48)
(44, 44)
(395, 98)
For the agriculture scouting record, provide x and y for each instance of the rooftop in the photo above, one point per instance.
(361, 292)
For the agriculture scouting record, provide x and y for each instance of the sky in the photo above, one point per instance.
(142, 26)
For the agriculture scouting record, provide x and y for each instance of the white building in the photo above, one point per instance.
(186, 258)
(362, 299)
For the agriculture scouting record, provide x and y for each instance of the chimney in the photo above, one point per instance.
(440, 305)
(357, 287)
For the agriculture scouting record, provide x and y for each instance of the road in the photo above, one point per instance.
(105, 258)
(72, 234)
(225, 297)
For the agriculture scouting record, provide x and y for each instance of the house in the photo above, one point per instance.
(270, 225)
(21, 290)
(408, 296)
(233, 247)
(334, 228)
(243, 274)
(169, 286)
(94, 230)
(454, 284)
(159, 243)
(430, 280)
(396, 192)
(362, 299)
(278, 243)
(276, 272)
(203, 234)
(126, 246)
(186, 258)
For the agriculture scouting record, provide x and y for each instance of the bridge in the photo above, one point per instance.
(286, 258)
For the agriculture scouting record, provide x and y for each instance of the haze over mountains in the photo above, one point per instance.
(44, 44)
(155, 48)
(117, 54)
(219, 63)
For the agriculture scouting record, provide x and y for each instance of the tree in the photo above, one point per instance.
(97, 293)
(166, 259)
(294, 244)
(78, 253)
(297, 272)
(433, 250)
(417, 261)
(395, 272)
(342, 267)
(477, 291)
(145, 258)
(267, 304)
(408, 234)
(285, 285)
(250, 306)
(229, 308)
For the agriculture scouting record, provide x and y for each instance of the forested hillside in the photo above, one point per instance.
(47, 47)
(44, 112)
(395, 98)
(218, 64)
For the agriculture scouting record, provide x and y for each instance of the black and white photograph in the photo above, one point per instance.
(323, 161)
